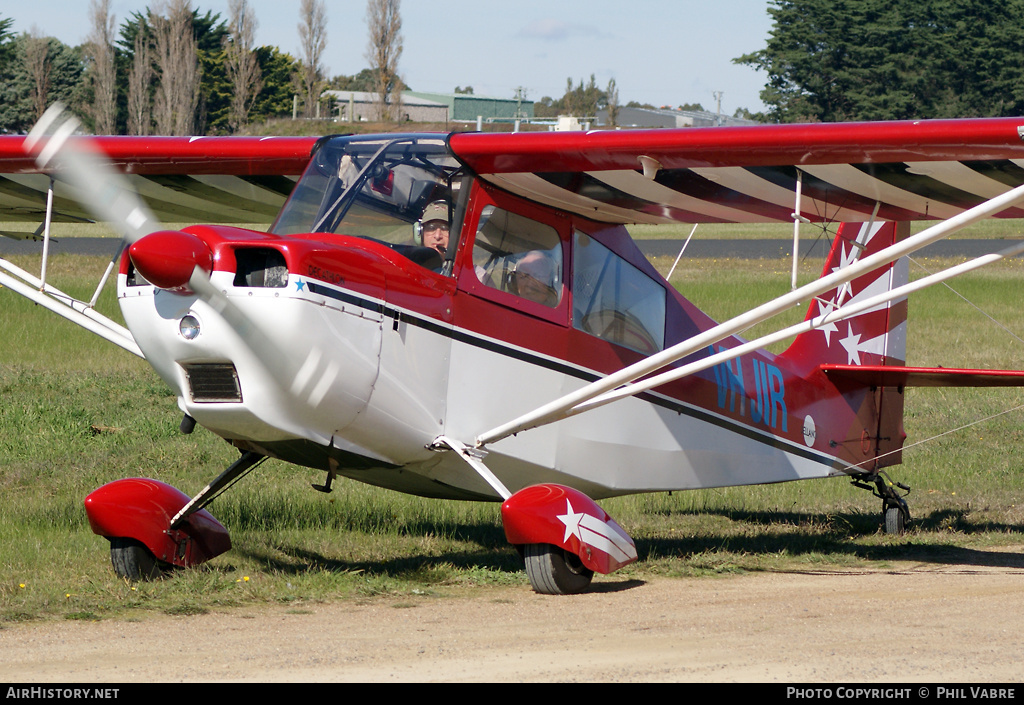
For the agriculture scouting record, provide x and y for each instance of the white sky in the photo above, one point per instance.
(663, 52)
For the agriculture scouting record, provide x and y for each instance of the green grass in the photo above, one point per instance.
(988, 229)
(77, 412)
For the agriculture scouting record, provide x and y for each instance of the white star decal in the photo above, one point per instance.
(825, 308)
(854, 346)
(572, 520)
(846, 258)
(852, 342)
(597, 533)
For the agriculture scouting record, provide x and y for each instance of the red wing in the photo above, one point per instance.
(183, 179)
(912, 170)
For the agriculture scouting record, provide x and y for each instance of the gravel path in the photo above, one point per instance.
(908, 623)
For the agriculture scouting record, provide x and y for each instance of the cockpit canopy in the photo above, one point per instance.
(374, 187)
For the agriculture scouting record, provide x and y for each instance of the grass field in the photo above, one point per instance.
(988, 229)
(76, 412)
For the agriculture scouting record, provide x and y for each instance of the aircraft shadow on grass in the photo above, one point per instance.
(803, 535)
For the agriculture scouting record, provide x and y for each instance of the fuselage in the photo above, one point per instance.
(349, 347)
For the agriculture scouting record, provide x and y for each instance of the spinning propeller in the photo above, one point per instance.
(172, 260)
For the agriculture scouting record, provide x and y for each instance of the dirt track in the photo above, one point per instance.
(911, 623)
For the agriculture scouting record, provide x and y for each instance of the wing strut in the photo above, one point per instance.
(839, 314)
(46, 232)
(668, 277)
(563, 407)
(797, 219)
(67, 306)
(475, 458)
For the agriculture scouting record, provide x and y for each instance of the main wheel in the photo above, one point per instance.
(895, 522)
(554, 571)
(132, 560)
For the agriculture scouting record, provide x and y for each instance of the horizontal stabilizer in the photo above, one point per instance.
(898, 376)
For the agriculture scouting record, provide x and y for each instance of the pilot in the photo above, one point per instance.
(434, 227)
(534, 278)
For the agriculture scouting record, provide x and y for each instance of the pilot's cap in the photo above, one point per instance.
(438, 210)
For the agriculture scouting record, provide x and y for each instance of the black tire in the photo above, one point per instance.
(554, 571)
(895, 523)
(132, 560)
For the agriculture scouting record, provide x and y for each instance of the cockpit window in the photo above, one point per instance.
(519, 255)
(614, 300)
(382, 189)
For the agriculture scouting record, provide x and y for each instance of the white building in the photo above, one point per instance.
(360, 106)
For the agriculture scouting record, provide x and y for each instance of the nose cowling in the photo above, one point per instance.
(167, 258)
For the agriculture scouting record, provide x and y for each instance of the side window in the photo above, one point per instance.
(614, 300)
(515, 254)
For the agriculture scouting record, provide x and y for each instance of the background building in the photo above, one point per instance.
(465, 107)
(359, 106)
(647, 117)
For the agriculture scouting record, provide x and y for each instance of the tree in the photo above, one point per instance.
(383, 50)
(832, 60)
(186, 58)
(241, 64)
(99, 53)
(365, 81)
(215, 92)
(583, 100)
(39, 71)
(612, 102)
(313, 37)
(277, 69)
(177, 60)
(5, 42)
(38, 65)
(139, 115)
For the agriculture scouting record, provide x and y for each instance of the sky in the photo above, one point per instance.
(662, 52)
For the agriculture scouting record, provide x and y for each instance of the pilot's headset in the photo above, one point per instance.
(438, 210)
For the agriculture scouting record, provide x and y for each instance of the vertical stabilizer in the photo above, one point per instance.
(876, 337)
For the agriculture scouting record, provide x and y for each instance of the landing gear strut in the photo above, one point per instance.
(153, 527)
(895, 512)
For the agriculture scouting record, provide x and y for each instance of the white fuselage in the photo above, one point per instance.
(364, 388)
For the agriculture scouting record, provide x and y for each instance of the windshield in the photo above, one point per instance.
(401, 191)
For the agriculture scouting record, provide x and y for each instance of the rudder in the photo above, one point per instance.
(877, 336)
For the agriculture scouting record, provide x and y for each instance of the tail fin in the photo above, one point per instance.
(876, 337)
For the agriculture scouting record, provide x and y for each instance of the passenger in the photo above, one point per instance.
(534, 278)
(434, 227)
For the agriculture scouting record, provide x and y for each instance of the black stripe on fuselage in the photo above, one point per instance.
(507, 350)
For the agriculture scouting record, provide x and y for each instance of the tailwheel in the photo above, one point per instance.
(133, 561)
(895, 520)
(895, 511)
(554, 571)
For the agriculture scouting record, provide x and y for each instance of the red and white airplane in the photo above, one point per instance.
(466, 316)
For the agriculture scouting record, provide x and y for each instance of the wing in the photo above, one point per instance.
(957, 171)
(900, 171)
(194, 179)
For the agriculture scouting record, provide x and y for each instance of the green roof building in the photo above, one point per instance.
(467, 107)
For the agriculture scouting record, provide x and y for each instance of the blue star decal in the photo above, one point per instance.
(299, 285)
